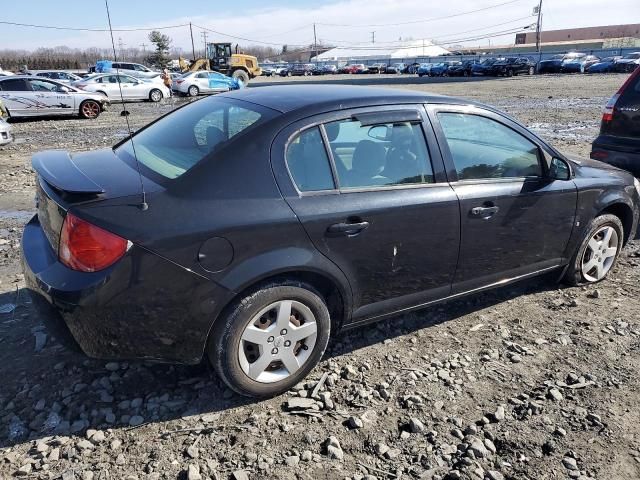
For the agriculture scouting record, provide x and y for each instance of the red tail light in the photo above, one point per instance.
(179, 81)
(80, 85)
(88, 248)
(607, 112)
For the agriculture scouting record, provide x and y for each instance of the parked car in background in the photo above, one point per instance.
(123, 87)
(463, 69)
(579, 65)
(268, 69)
(424, 69)
(628, 63)
(508, 67)
(205, 82)
(5, 73)
(352, 68)
(300, 69)
(58, 75)
(134, 69)
(377, 68)
(411, 68)
(442, 69)
(605, 65)
(484, 67)
(619, 141)
(344, 193)
(6, 135)
(554, 63)
(395, 68)
(28, 96)
(329, 69)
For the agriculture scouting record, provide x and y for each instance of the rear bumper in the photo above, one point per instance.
(142, 307)
(629, 161)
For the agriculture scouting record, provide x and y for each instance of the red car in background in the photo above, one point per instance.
(354, 68)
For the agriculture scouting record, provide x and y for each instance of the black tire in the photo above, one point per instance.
(241, 75)
(155, 95)
(90, 109)
(573, 275)
(532, 70)
(225, 338)
(193, 91)
(509, 73)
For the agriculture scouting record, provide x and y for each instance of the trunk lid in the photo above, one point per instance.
(66, 180)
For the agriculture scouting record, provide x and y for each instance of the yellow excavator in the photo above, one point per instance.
(220, 59)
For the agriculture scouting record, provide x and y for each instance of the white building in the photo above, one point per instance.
(408, 49)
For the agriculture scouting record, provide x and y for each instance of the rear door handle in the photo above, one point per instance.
(484, 212)
(348, 228)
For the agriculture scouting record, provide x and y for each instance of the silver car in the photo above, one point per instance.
(5, 133)
(28, 96)
(111, 85)
(58, 75)
(204, 81)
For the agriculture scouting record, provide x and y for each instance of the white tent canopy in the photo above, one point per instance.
(409, 49)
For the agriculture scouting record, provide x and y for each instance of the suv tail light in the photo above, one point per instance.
(610, 107)
(88, 248)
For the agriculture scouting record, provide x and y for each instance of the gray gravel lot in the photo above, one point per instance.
(534, 381)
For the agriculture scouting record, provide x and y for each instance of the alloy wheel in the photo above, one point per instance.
(90, 109)
(277, 341)
(600, 254)
(156, 95)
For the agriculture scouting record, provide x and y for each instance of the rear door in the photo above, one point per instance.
(201, 80)
(515, 220)
(372, 195)
(57, 101)
(625, 121)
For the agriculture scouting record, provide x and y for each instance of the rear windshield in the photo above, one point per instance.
(178, 141)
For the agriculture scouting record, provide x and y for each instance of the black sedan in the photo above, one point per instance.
(511, 66)
(272, 217)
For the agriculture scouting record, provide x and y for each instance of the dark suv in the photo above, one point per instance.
(509, 67)
(619, 139)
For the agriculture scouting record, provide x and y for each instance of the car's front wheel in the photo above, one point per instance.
(90, 109)
(270, 339)
(598, 251)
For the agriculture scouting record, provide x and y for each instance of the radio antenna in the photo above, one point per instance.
(125, 113)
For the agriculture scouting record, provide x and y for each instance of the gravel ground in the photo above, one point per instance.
(534, 381)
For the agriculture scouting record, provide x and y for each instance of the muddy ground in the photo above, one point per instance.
(534, 381)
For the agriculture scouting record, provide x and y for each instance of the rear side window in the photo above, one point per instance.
(482, 148)
(15, 85)
(308, 162)
(379, 155)
(178, 141)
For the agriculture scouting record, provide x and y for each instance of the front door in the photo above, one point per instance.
(515, 220)
(373, 198)
(54, 96)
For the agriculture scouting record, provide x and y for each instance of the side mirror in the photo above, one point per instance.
(560, 169)
(379, 132)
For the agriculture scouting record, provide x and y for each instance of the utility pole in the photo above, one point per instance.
(538, 25)
(373, 37)
(121, 47)
(193, 47)
(204, 37)
(315, 44)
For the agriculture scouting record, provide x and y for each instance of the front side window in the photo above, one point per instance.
(177, 142)
(482, 148)
(379, 155)
(308, 162)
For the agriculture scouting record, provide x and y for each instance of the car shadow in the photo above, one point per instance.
(49, 389)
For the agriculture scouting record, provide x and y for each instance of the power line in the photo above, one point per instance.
(419, 21)
(246, 39)
(52, 27)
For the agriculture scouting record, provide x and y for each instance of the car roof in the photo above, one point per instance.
(289, 98)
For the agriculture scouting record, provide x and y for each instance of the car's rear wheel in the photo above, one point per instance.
(90, 109)
(155, 95)
(532, 70)
(598, 251)
(509, 73)
(193, 91)
(270, 339)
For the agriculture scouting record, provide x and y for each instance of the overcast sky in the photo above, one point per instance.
(277, 22)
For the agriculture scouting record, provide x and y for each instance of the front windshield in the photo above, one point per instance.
(180, 140)
(632, 56)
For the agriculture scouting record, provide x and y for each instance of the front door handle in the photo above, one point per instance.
(484, 212)
(348, 228)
